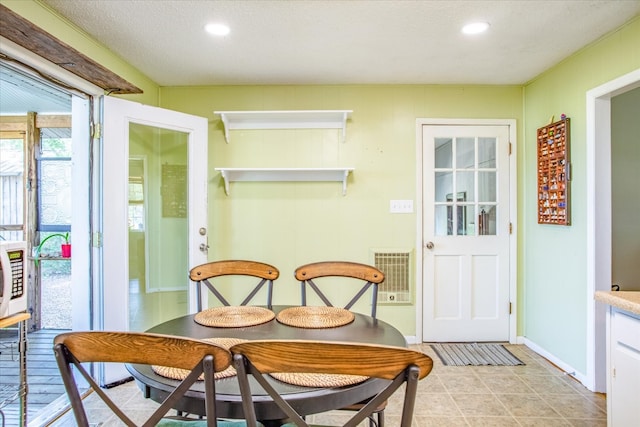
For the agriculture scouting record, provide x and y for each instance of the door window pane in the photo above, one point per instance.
(487, 187)
(158, 225)
(465, 184)
(443, 225)
(471, 220)
(444, 185)
(487, 220)
(486, 152)
(465, 153)
(463, 219)
(457, 221)
(443, 153)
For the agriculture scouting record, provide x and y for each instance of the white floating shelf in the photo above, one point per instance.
(285, 174)
(293, 119)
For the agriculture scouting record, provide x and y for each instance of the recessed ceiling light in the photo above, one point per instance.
(217, 29)
(475, 28)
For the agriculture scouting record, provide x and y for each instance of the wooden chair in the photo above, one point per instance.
(72, 349)
(202, 275)
(371, 276)
(361, 273)
(400, 365)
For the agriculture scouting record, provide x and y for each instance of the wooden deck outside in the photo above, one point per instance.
(43, 380)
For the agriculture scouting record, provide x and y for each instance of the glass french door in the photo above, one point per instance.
(154, 216)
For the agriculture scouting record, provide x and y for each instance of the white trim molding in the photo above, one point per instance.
(599, 219)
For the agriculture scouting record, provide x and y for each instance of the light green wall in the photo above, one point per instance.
(47, 19)
(554, 264)
(625, 190)
(289, 224)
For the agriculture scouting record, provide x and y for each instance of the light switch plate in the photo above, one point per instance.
(401, 206)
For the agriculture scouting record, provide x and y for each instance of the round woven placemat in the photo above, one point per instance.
(319, 380)
(180, 374)
(234, 316)
(311, 317)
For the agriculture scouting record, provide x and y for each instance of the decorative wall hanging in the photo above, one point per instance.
(554, 173)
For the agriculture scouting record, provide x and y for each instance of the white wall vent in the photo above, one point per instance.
(396, 267)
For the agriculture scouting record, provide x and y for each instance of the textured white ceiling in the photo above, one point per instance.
(345, 42)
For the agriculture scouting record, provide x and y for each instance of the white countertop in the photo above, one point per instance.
(624, 300)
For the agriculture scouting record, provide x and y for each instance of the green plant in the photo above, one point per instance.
(64, 236)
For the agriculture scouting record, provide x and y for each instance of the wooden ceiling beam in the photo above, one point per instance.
(24, 33)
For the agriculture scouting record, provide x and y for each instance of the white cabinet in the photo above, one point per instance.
(623, 359)
(293, 119)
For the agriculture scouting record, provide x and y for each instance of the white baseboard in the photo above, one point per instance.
(412, 340)
(568, 370)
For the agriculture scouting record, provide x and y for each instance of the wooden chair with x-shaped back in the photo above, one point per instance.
(364, 276)
(73, 350)
(204, 274)
(400, 366)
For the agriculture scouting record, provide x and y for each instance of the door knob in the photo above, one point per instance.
(429, 245)
(204, 247)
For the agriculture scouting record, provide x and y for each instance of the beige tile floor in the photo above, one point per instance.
(536, 394)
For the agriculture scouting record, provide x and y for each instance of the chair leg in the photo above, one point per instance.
(377, 419)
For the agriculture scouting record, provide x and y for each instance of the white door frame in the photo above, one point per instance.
(599, 219)
(118, 115)
(512, 214)
(115, 268)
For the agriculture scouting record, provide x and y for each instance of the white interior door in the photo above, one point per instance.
(466, 227)
(154, 216)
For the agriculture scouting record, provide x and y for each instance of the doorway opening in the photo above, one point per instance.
(599, 218)
(36, 173)
(36, 176)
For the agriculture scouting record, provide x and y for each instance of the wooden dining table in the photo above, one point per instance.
(307, 400)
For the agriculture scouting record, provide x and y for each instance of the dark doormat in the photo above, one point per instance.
(474, 354)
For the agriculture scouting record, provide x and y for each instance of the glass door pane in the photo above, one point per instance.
(157, 225)
(465, 179)
(54, 196)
